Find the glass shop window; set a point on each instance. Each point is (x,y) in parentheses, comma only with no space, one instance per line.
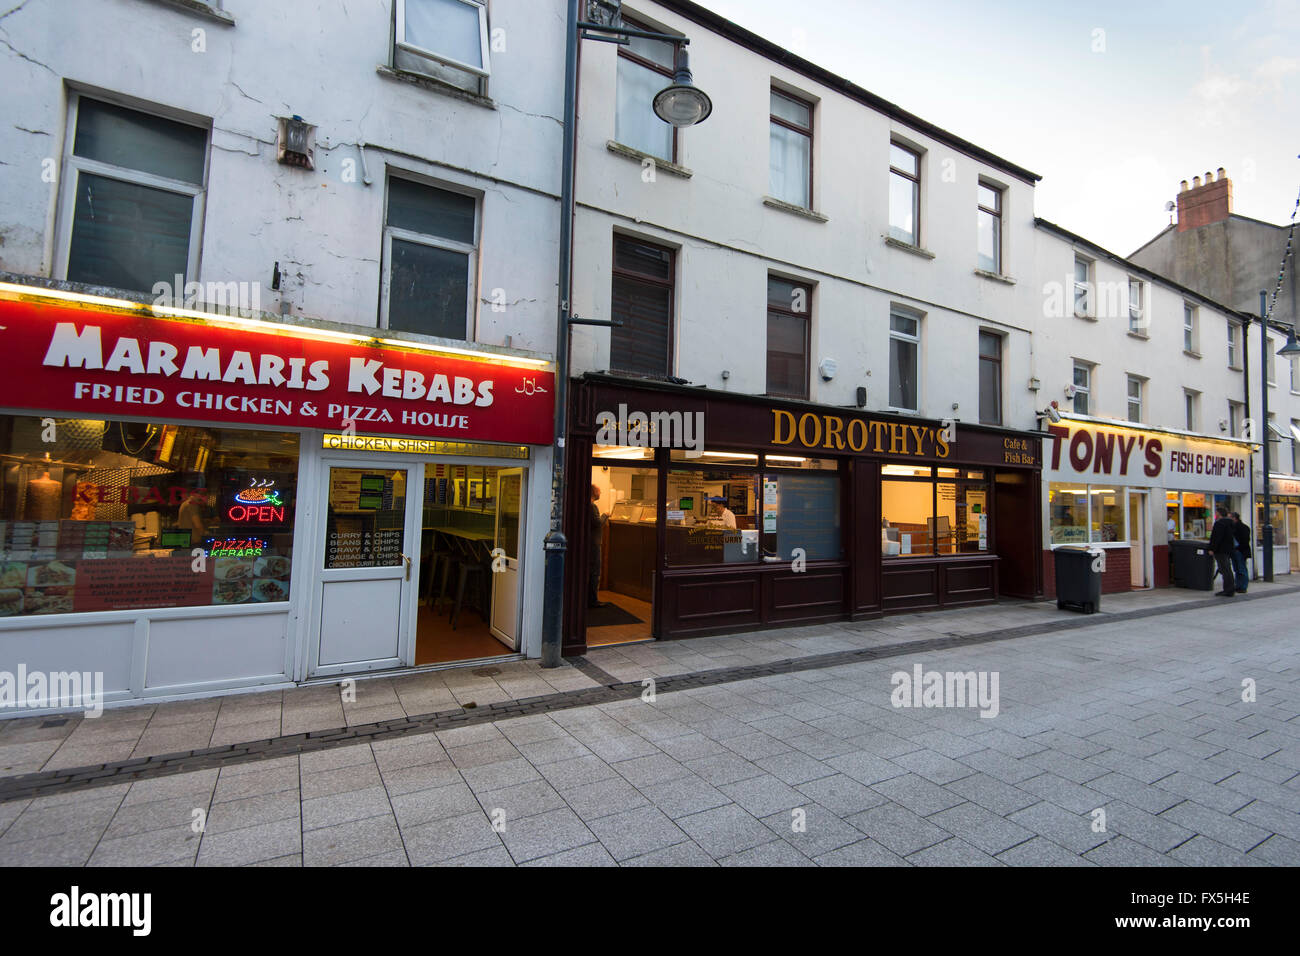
(712,517)
(114,515)
(1067,509)
(801,509)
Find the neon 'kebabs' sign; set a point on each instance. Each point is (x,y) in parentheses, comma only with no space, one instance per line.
(259,503)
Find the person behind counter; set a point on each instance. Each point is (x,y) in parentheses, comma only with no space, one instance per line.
(597,525)
(719,514)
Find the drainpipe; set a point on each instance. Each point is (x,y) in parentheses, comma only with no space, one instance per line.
(555,544)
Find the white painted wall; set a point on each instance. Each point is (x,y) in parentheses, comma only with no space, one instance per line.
(730,240)
(318,61)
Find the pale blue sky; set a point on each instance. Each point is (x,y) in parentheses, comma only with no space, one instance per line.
(1180,88)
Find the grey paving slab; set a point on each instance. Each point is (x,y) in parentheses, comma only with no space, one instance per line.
(600,798)
(679,855)
(841,795)
(545,834)
(1230,831)
(863,853)
(1042,852)
(1073,831)
(952,852)
(251,844)
(981,828)
(346,842)
(435,803)
(593,854)
(725,831)
(636,832)
(1121,851)
(898,828)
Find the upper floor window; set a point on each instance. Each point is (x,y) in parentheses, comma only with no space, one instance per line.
(791,124)
(644,68)
(904,360)
(990,228)
(1136,314)
(1235,412)
(788,311)
(1191,405)
(1271,363)
(132,206)
(1082,387)
(445,39)
(1082,287)
(1189,328)
(642,299)
(990,378)
(1295,373)
(904,194)
(1295,447)
(1135,387)
(430,248)
(1234,333)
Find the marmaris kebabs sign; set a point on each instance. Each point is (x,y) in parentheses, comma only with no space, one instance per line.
(108,364)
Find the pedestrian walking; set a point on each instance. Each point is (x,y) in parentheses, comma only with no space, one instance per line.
(1241,554)
(1223,542)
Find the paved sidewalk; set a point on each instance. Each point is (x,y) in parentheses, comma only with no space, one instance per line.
(42,743)
(1144,720)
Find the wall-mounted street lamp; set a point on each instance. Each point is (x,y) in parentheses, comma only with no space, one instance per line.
(681,104)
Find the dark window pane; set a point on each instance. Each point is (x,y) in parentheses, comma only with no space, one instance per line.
(641,344)
(990,345)
(644,259)
(787,362)
(783,295)
(807,516)
(151,144)
(902,374)
(429,289)
(128,236)
(430,211)
(990,392)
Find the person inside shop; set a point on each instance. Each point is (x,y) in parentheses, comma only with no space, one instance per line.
(720,516)
(1223,542)
(1241,555)
(597,526)
(192,517)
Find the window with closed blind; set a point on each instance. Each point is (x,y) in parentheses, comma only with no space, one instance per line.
(642,301)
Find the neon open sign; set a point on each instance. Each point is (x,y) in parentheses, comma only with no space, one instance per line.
(259,503)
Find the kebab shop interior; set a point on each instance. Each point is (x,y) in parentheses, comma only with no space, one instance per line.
(467,566)
(84,503)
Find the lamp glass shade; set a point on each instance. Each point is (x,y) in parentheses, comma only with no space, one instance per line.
(1292,347)
(682,104)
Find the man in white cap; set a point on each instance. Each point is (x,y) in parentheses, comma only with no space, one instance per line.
(720,514)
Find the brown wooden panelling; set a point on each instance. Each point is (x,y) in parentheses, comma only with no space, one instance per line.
(863,511)
(968,583)
(807,595)
(1015,535)
(908,585)
(711,601)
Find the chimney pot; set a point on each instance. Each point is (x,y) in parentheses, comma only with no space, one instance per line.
(1196,182)
(1182,186)
(1222,174)
(1209,177)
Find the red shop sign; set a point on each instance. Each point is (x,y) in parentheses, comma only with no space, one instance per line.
(109,365)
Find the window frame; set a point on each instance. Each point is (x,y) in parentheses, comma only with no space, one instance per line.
(997,363)
(1192,408)
(1191,326)
(1270,364)
(1136,312)
(625,51)
(934,479)
(437,242)
(1234,344)
(996,214)
(1139,400)
(616,272)
(915,339)
(1236,413)
(1089,368)
(74,166)
(915,180)
(806,316)
(1087,287)
(809,132)
(399,40)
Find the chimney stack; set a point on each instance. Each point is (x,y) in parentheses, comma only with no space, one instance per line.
(1207,202)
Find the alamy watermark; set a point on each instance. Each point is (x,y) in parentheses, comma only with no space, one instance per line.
(683,430)
(227,297)
(922,688)
(53,689)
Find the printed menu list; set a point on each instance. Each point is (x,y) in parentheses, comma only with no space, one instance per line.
(353,547)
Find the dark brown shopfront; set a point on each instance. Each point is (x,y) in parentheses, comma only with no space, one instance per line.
(707,512)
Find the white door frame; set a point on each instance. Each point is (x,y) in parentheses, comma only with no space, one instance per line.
(515,564)
(405,656)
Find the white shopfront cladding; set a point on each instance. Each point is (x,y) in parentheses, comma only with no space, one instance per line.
(1122,486)
(355,621)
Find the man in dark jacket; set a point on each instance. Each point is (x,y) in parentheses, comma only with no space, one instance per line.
(1241,532)
(1223,542)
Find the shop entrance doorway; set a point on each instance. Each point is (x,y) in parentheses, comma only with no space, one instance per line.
(1293,534)
(621,575)
(1138,535)
(421,563)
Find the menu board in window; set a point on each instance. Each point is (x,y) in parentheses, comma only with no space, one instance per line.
(367,517)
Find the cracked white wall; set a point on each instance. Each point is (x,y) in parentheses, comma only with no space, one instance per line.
(317,60)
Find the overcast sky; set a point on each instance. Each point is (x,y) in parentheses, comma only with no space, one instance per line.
(1173,90)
